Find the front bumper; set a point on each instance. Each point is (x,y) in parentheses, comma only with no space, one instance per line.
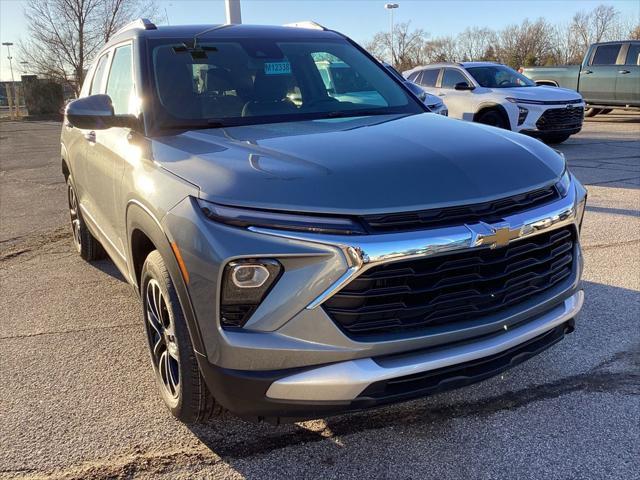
(535,112)
(299,394)
(256,370)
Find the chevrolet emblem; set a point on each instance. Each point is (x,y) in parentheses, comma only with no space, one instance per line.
(493,235)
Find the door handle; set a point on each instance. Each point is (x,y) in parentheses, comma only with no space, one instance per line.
(623,72)
(90,137)
(586,72)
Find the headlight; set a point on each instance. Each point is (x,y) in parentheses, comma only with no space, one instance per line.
(564,183)
(244,217)
(522,100)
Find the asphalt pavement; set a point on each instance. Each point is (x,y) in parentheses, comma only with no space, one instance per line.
(78,397)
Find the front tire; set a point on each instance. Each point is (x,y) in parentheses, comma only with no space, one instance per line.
(494,118)
(86,245)
(555,139)
(178,377)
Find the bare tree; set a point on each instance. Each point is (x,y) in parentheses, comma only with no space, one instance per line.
(526,44)
(64,35)
(441,49)
(475,42)
(407,46)
(595,26)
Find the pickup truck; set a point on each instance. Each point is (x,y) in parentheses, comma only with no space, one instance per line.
(608,78)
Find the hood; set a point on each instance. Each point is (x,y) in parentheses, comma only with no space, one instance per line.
(541,93)
(376,164)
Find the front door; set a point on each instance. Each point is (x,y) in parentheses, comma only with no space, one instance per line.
(459,102)
(105,162)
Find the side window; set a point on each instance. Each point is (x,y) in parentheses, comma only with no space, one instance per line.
(413,77)
(120,83)
(633,54)
(606,54)
(451,77)
(429,77)
(97,81)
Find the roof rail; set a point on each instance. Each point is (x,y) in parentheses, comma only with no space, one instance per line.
(141,23)
(310,24)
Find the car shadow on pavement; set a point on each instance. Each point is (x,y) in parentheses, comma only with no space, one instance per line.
(107,266)
(555,373)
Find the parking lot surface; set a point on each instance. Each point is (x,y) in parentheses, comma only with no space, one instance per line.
(78,397)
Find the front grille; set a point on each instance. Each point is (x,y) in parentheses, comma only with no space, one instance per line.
(561,119)
(489,212)
(414,294)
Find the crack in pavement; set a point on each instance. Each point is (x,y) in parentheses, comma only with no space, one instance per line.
(30,243)
(595,184)
(76,330)
(599,246)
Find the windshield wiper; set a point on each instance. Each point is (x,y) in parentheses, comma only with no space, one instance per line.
(353,113)
(198,126)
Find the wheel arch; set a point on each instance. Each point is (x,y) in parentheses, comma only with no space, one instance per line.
(491,106)
(66,171)
(145,234)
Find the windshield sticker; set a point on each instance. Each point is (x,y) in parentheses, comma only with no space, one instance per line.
(277,68)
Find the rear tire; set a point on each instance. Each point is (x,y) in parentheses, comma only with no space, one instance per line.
(592,112)
(86,245)
(493,118)
(178,377)
(555,139)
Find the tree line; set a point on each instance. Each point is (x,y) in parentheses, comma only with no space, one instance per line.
(529,43)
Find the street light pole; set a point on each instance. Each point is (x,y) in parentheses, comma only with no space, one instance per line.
(234,14)
(12,96)
(391,7)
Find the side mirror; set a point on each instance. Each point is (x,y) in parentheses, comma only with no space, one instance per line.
(95,112)
(464,86)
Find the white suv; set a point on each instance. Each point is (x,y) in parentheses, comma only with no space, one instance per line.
(497,95)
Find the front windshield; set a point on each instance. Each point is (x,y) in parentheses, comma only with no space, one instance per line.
(499,76)
(249,81)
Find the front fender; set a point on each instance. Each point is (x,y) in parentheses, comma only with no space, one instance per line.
(138,217)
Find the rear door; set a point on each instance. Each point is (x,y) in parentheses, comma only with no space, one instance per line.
(598,76)
(628,79)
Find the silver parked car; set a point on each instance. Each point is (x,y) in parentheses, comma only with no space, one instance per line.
(300,258)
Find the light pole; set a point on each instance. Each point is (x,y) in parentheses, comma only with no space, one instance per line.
(391,7)
(232,8)
(12,95)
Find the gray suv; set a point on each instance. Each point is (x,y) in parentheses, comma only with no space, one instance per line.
(298,259)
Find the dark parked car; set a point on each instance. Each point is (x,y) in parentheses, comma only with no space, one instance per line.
(297,259)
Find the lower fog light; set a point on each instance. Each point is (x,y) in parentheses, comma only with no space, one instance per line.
(245,284)
(249,276)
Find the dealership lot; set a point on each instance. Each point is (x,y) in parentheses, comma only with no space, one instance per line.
(79,400)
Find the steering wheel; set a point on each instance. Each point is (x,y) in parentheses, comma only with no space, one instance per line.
(504,82)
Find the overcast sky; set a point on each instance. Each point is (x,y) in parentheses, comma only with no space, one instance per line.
(359,19)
